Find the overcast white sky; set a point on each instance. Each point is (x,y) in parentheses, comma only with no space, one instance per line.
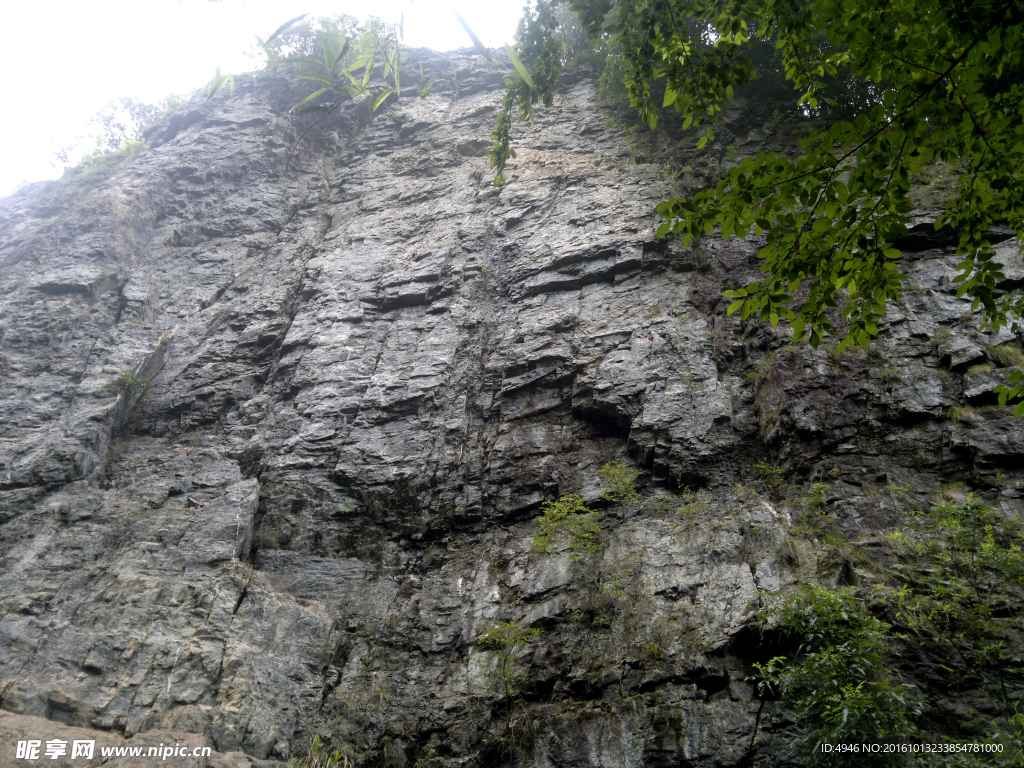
(66,60)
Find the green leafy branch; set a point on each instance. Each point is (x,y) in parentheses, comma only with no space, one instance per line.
(568,518)
(532,82)
(835,677)
(958,604)
(916,82)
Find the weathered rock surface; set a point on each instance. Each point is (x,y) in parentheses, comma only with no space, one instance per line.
(368,372)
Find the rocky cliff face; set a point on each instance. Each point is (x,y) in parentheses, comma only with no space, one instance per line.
(368,372)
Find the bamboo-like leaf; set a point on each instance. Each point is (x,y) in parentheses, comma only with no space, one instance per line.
(309,98)
(302,60)
(366,75)
(472,36)
(284,27)
(519,65)
(216,83)
(356,83)
(380,99)
(398,62)
(271,56)
(357,63)
(328,55)
(344,50)
(315,76)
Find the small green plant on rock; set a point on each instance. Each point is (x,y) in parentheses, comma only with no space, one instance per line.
(980,560)
(619,483)
(690,503)
(319,756)
(614,586)
(965,414)
(506,640)
(652,651)
(901,492)
(788,551)
(381,696)
(498,566)
(128,381)
(1006,355)
(816,498)
(772,476)
(568,518)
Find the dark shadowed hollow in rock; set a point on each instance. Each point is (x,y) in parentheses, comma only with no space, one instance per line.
(369,371)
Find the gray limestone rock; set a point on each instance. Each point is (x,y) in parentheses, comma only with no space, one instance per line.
(369,370)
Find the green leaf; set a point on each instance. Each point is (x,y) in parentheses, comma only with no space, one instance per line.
(344,51)
(472,36)
(380,99)
(734,306)
(358,63)
(519,65)
(304,60)
(328,55)
(310,98)
(398,84)
(314,76)
(216,83)
(284,27)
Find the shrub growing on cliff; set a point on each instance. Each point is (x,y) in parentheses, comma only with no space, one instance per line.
(619,483)
(119,138)
(959,605)
(506,640)
(128,381)
(960,608)
(569,519)
(837,676)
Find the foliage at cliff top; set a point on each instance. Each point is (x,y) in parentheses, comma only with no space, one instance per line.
(900,83)
(334,54)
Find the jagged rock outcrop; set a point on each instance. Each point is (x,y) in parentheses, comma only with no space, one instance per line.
(369,370)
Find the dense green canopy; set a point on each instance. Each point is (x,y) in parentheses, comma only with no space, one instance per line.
(895,85)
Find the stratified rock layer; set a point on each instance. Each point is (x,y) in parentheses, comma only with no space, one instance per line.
(369,370)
